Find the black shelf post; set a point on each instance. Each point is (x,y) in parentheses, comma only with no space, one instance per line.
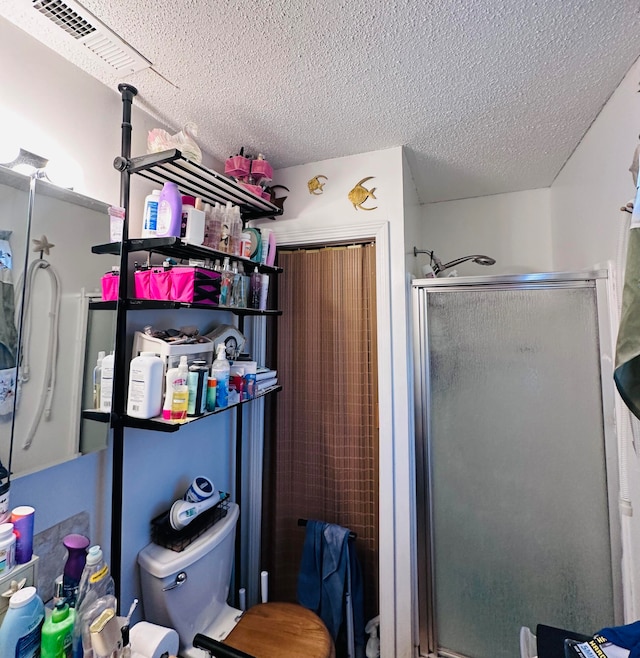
(120,362)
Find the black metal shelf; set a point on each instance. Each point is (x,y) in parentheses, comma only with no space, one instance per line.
(195,180)
(159,304)
(161,425)
(179,250)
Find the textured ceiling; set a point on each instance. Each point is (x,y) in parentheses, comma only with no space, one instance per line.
(489,96)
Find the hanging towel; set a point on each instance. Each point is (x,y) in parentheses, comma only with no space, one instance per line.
(627,364)
(328,560)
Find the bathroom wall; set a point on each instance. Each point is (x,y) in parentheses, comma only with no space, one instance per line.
(514,228)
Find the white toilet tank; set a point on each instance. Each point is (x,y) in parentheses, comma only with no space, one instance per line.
(188,591)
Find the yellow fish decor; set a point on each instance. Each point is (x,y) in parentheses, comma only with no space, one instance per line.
(315,186)
(359,194)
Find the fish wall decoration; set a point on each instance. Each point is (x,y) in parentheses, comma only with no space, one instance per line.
(315,186)
(359,194)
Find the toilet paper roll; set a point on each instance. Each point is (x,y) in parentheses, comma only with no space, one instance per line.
(152,641)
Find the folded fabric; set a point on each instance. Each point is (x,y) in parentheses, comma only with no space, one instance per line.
(627,637)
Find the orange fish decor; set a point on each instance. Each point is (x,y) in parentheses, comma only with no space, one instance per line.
(315,186)
(359,194)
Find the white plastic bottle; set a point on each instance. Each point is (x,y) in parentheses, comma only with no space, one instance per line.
(174,378)
(7,548)
(106,383)
(21,630)
(144,399)
(97,375)
(150,214)
(220,372)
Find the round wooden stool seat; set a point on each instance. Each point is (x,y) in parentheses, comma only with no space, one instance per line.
(281,630)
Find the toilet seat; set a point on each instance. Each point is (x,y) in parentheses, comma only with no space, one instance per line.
(281,630)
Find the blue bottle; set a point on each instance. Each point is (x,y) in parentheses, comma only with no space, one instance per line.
(21,630)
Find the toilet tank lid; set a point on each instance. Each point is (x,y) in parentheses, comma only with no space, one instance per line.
(162,562)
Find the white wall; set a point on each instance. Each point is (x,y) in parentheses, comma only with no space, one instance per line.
(514,228)
(595,182)
(587,226)
(330,217)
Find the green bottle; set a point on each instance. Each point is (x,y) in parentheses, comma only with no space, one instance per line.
(57,632)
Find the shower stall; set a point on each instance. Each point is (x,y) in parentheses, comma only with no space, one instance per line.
(516,460)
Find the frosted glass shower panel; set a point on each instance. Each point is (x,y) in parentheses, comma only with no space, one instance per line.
(519,507)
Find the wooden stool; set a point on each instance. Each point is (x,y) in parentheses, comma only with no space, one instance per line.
(281,630)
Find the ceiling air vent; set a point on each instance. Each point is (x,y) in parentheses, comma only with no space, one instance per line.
(83,26)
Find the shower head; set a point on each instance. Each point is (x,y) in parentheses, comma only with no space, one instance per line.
(439,267)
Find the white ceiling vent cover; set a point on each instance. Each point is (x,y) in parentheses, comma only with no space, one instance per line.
(83,26)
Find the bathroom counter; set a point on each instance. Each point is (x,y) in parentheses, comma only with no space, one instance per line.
(281,630)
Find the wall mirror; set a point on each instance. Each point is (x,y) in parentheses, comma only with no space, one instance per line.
(49,302)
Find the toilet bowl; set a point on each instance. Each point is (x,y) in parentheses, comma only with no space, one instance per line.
(188,591)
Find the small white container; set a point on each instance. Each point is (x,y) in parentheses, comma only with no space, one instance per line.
(194,230)
(7,548)
(145,386)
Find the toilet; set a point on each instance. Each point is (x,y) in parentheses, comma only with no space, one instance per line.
(188,591)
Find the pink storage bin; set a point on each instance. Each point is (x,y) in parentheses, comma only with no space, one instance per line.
(254,189)
(141,279)
(160,283)
(261,169)
(195,285)
(237,166)
(110,282)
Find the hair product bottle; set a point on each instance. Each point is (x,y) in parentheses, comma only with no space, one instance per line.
(144,399)
(180,392)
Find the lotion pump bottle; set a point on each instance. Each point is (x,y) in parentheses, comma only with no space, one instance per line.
(220,372)
(106,383)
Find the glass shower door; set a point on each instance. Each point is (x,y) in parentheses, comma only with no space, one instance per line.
(515,513)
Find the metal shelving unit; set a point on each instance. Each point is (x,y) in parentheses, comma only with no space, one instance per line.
(195,180)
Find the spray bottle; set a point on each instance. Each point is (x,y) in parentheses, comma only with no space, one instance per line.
(220,372)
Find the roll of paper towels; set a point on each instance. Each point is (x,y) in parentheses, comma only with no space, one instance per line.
(152,641)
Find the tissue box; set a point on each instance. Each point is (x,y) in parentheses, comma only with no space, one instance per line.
(195,285)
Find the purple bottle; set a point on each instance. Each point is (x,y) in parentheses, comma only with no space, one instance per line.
(76,546)
(169,218)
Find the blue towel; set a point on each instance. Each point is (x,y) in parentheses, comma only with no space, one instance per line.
(327,561)
(627,637)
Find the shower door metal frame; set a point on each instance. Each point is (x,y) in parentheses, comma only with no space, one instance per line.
(597,280)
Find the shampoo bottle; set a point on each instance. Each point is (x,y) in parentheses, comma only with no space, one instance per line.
(144,398)
(57,632)
(220,372)
(255,285)
(106,383)
(97,375)
(169,211)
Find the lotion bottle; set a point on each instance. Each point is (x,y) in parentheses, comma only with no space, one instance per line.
(144,399)
(220,372)
(169,211)
(97,375)
(106,383)
(150,214)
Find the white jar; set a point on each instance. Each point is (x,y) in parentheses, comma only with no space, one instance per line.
(7,548)
(144,398)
